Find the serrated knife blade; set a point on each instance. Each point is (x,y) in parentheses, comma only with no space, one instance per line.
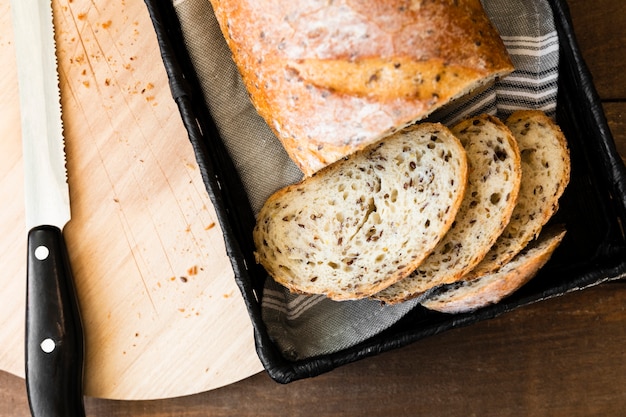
(54,336)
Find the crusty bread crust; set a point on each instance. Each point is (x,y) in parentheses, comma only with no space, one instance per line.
(467,296)
(545,175)
(366,221)
(331,78)
(490,197)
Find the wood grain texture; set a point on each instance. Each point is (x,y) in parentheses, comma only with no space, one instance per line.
(162,314)
(599,30)
(561,357)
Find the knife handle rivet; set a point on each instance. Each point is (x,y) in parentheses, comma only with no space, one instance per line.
(48,345)
(41,253)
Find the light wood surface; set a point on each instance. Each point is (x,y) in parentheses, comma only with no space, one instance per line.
(560,357)
(162,314)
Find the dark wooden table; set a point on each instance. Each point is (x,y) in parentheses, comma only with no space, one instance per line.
(561,357)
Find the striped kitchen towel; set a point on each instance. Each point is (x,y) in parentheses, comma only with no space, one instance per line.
(527,29)
(305,326)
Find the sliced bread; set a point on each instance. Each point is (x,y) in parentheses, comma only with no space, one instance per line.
(493,184)
(366,221)
(545,174)
(467,296)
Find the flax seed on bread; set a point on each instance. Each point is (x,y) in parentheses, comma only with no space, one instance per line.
(331,78)
(466,296)
(490,197)
(545,174)
(366,221)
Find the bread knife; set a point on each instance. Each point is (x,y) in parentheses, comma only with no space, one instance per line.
(54,336)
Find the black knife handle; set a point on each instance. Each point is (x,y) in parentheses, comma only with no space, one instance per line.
(54,335)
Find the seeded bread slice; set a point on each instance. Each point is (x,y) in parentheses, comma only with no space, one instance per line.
(490,197)
(467,296)
(545,174)
(367,221)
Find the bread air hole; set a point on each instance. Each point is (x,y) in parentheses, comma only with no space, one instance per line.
(394,195)
(528,155)
(499,154)
(495,198)
(446,248)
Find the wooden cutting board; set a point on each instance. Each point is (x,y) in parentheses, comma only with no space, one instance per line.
(162,314)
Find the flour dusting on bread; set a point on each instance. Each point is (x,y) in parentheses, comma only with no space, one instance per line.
(331,78)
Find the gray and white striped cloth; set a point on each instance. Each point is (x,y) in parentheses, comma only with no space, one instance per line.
(304,326)
(528,32)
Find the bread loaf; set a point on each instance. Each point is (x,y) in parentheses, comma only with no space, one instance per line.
(366,221)
(545,174)
(331,78)
(466,296)
(491,194)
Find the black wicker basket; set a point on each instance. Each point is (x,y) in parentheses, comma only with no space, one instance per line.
(593,207)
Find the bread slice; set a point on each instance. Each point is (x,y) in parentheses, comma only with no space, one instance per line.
(330,78)
(545,174)
(467,296)
(368,220)
(493,184)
